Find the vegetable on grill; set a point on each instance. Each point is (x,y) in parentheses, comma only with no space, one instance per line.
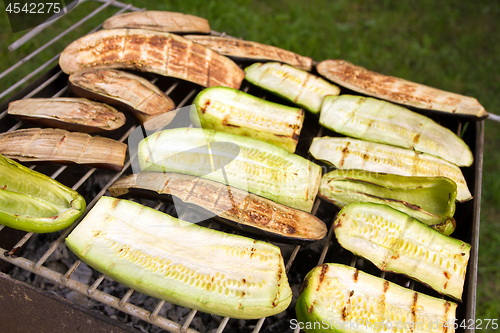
(233,111)
(151,51)
(237,208)
(159,21)
(74,114)
(295,85)
(380,121)
(134,93)
(396,242)
(346,153)
(338,298)
(248,50)
(245,163)
(181,262)
(398,90)
(60,146)
(33,202)
(431,200)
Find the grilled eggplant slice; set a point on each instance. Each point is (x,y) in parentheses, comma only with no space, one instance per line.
(345,153)
(396,242)
(379,121)
(56,145)
(247,50)
(159,21)
(32,202)
(74,114)
(245,163)
(236,207)
(295,85)
(338,298)
(181,262)
(431,200)
(398,90)
(150,51)
(233,111)
(134,93)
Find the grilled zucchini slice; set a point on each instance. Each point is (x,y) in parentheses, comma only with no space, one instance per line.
(295,85)
(396,242)
(338,298)
(181,262)
(33,202)
(346,153)
(245,163)
(431,200)
(234,111)
(380,121)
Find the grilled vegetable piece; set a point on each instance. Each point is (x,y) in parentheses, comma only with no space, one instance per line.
(159,21)
(245,163)
(142,98)
(181,262)
(379,121)
(398,90)
(31,201)
(74,114)
(236,207)
(56,145)
(338,298)
(345,153)
(396,242)
(150,51)
(431,200)
(233,111)
(249,50)
(300,87)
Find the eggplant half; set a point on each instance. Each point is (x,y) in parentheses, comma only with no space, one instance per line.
(234,111)
(234,207)
(181,262)
(178,23)
(73,114)
(346,153)
(151,51)
(295,85)
(134,93)
(341,299)
(248,50)
(255,166)
(33,202)
(60,146)
(431,200)
(398,90)
(398,243)
(380,121)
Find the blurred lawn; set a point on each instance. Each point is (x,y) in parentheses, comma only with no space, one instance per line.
(452,45)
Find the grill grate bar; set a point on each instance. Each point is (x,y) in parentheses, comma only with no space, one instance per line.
(157,309)
(19,244)
(71,270)
(96,284)
(189,319)
(222,325)
(327,244)
(58,172)
(125,298)
(55,39)
(259,325)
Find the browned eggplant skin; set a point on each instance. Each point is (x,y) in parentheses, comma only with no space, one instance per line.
(60,146)
(398,90)
(134,93)
(73,114)
(233,47)
(159,21)
(244,210)
(151,51)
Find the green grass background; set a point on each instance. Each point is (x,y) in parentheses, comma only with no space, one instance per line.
(453,45)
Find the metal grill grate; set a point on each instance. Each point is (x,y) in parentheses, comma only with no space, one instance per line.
(53,84)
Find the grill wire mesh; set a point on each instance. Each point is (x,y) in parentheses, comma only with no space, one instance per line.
(93,183)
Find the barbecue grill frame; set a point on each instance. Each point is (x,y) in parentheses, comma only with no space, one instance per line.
(47,82)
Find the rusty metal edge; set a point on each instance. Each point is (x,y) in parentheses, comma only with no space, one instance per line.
(51,311)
